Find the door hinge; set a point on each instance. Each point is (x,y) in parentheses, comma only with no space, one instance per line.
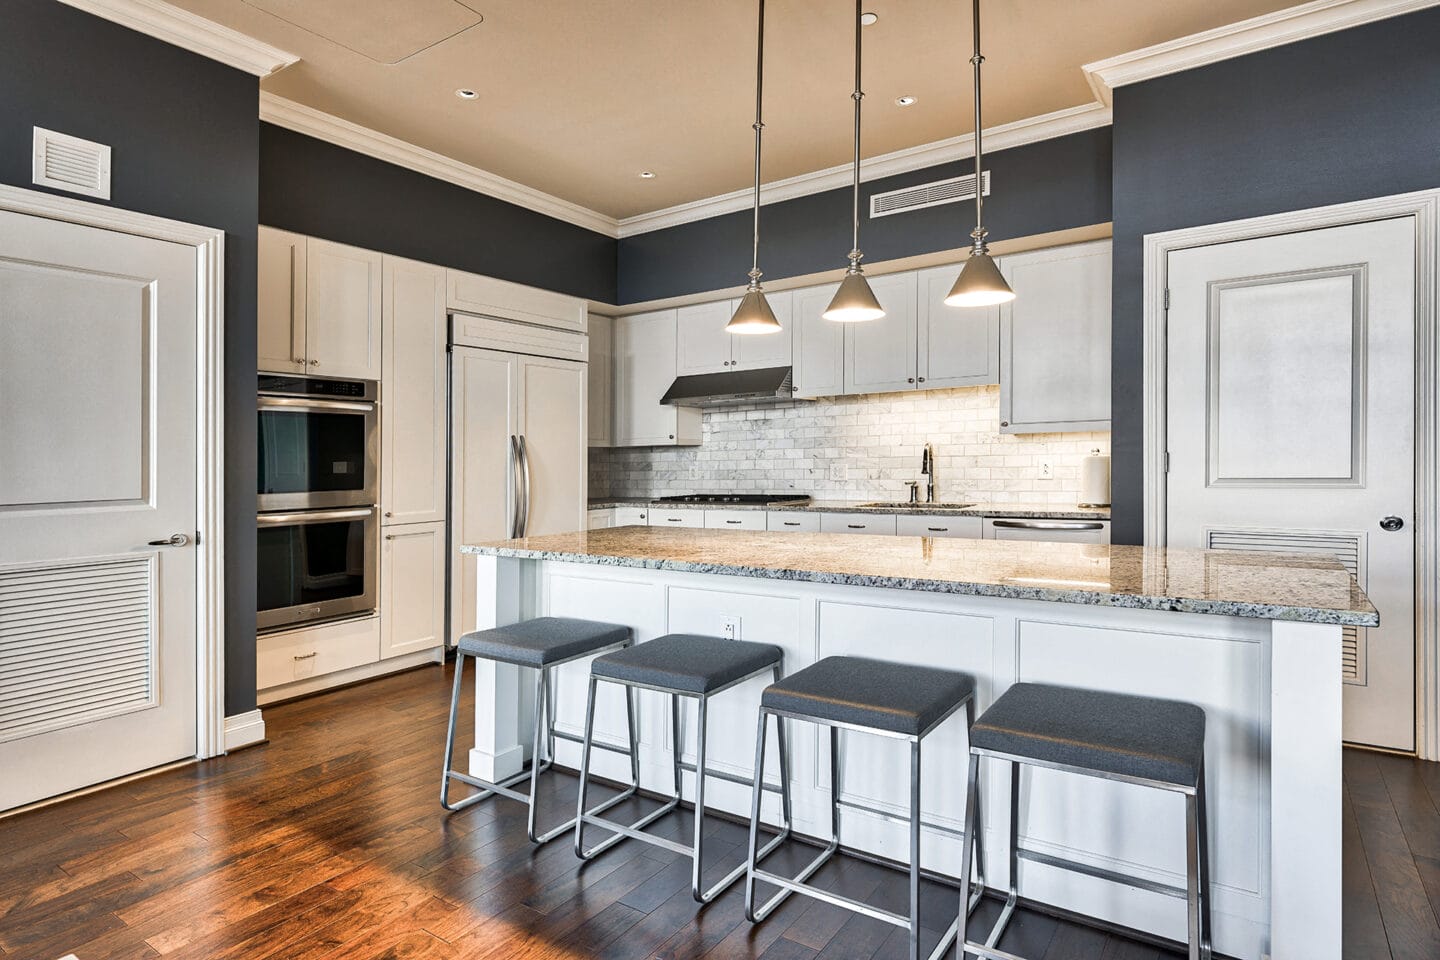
(1167,461)
(1167,298)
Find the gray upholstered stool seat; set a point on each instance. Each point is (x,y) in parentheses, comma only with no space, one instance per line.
(542,641)
(687,663)
(896,697)
(1141,737)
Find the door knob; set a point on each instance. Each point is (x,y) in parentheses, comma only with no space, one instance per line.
(174,540)
(1391,524)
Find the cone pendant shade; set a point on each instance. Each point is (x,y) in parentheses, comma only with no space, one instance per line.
(980,284)
(753,315)
(854,301)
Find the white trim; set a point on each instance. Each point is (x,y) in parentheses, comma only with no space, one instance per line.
(194,33)
(352,136)
(1424,206)
(1032,130)
(209,247)
(1237,39)
(243,729)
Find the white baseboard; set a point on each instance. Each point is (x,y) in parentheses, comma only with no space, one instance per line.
(244,729)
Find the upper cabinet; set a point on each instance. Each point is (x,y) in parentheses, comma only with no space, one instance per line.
(819,345)
(602,380)
(318,307)
(880,354)
(644,367)
(1055,341)
(703,346)
(412,399)
(955,346)
(489,297)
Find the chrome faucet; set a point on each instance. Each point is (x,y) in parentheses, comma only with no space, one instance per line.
(927,468)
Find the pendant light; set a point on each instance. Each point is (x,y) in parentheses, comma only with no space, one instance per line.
(754,314)
(980,283)
(855,301)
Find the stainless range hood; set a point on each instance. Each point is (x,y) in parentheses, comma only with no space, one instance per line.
(771,385)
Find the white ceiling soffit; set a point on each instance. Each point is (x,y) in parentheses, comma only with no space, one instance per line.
(1237,39)
(193,33)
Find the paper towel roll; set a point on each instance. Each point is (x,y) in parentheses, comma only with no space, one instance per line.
(1095,481)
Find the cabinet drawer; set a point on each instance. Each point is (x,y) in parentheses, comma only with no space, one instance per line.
(677,518)
(315,651)
(1068,531)
(932,525)
(858,523)
(632,516)
(735,519)
(793,521)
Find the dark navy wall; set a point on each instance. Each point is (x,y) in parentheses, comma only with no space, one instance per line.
(316,188)
(1337,118)
(185,139)
(1051,185)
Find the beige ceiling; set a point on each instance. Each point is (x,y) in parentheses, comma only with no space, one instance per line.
(578,96)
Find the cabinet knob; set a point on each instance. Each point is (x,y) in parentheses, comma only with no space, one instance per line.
(910,380)
(314,363)
(1004,423)
(300,361)
(672,436)
(922,379)
(389,514)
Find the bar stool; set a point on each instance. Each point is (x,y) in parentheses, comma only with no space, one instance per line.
(1112,736)
(895,700)
(695,667)
(542,644)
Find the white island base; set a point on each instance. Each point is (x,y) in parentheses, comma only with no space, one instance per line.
(1271,691)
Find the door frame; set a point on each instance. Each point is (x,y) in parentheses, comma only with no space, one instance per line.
(209,247)
(1424,207)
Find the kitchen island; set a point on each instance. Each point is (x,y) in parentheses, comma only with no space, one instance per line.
(1253,638)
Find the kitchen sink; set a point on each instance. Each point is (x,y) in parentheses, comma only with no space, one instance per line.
(907,505)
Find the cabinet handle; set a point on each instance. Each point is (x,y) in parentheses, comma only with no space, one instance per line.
(732,521)
(674,519)
(938,529)
(791,523)
(857,526)
(306,656)
(389,536)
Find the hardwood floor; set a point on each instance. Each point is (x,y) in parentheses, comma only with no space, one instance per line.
(329,843)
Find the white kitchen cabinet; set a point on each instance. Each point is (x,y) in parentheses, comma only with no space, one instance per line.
(602,380)
(762,350)
(703,346)
(412,393)
(819,344)
(735,519)
(665,517)
(645,345)
(412,588)
(1066,531)
(600,519)
(792,521)
(937,525)
(489,297)
(880,355)
(1055,341)
(293,655)
(871,523)
(632,516)
(956,346)
(342,310)
(280,304)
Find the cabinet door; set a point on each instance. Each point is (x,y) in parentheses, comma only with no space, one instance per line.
(599,519)
(412,393)
(342,310)
(792,521)
(958,346)
(880,354)
(632,516)
(870,523)
(702,345)
(554,475)
(1055,341)
(280,305)
(412,588)
(662,517)
(819,345)
(644,369)
(602,380)
(735,519)
(937,525)
(759,351)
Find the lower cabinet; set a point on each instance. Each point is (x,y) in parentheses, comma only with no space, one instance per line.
(412,588)
(794,521)
(632,516)
(660,517)
(294,655)
(735,519)
(874,523)
(599,519)
(937,525)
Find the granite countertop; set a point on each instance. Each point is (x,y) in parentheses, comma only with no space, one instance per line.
(1227,583)
(1031,511)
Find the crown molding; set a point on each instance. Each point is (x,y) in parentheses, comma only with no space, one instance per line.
(194,33)
(1237,39)
(352,136)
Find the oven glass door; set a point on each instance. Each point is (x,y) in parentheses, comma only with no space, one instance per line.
(315,453)
(315,565)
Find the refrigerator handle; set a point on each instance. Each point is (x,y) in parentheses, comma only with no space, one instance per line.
(514,487)
(525,487)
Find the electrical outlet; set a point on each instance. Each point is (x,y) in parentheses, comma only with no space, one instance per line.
(730,628)
(839,472)
(1047,470)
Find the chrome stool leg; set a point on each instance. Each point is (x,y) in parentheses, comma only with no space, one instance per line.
(448,773)
(915,849)
(1203,833)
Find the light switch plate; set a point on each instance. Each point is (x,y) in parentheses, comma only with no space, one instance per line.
(1047,470)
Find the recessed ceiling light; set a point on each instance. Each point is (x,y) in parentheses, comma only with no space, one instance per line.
(904,101)
(465,93)
(647,174)
(866,19)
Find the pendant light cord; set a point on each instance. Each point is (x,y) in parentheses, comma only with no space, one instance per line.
(759,129)
(976,60)
(857,96)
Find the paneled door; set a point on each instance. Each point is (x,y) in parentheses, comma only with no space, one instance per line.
(97,505)
(1291,426)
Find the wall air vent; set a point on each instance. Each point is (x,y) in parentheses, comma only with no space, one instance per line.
(925,195)
(69,163)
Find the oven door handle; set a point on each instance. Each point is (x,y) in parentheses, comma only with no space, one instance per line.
(305,403)
(312,516)
(524,486)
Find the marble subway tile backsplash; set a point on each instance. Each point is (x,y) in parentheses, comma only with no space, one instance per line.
(875,440)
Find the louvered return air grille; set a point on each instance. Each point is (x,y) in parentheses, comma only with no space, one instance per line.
(1348,548)
(926,195)
(76,644)
(69,163)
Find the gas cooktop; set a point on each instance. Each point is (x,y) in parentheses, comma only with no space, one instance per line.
(751,499)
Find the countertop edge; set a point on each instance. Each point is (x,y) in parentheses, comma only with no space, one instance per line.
(1017,512)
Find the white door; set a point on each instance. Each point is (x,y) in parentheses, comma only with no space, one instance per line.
(1290,398)
(554,474)
(957,346)
(702,345)
(761,351)
(342,310)
(644,366)
(97,458)
(412,398)
(880,354)
(819,345)
(280,305)
(412,584)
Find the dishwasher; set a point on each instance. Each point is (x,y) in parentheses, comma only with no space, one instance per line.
(1068,531)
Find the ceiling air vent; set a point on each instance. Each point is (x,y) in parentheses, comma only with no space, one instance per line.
(69,163)
(926,195)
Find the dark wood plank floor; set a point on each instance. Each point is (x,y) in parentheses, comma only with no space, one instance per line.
(329,843)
